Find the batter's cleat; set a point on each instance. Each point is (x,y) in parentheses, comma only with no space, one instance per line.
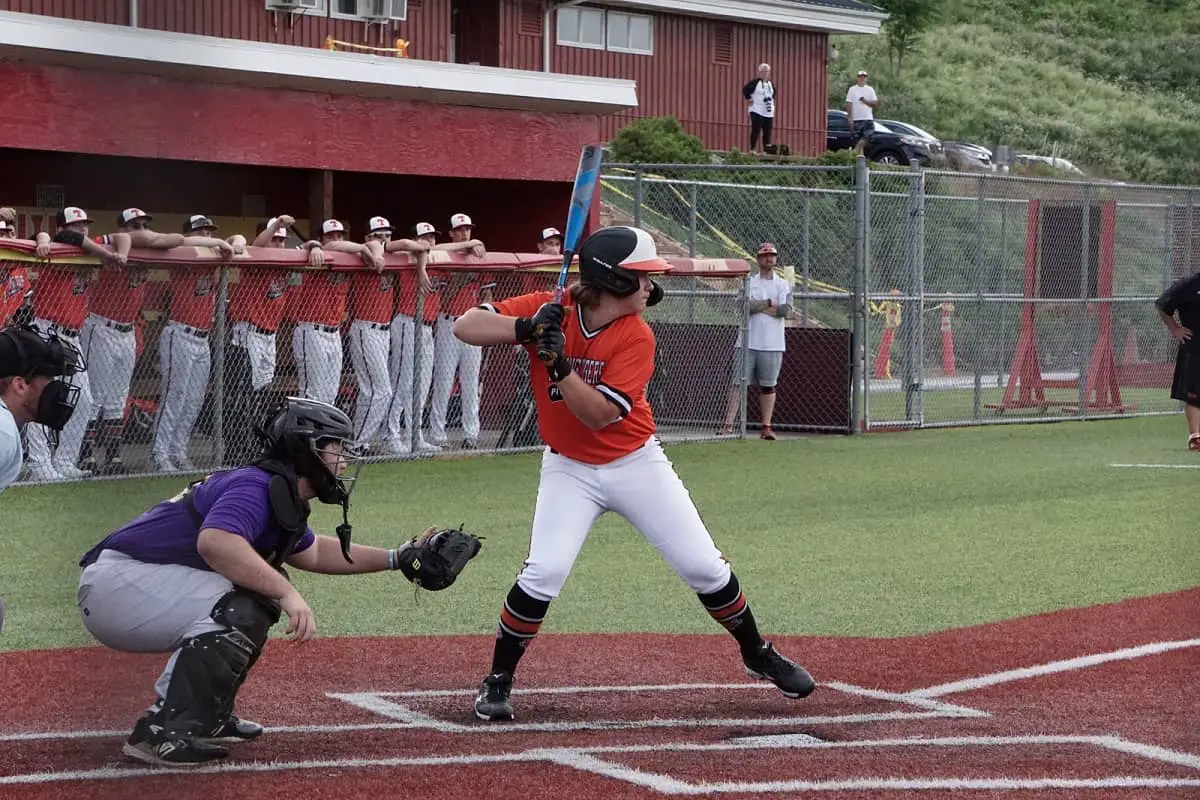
(492,703)
(234,731)
(151,744)
(1194,441)
(791,679)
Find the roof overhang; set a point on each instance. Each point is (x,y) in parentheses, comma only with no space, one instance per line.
(115,48)
(814,17)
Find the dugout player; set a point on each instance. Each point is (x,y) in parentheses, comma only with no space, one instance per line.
(184,355)
(60,302)
(550,242)
(200,576)
(1179,309)
(402,366)
(603,454)
(31,365)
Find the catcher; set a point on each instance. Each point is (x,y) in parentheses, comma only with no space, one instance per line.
(202,576)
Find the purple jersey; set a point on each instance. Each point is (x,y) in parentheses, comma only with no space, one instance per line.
(234,501)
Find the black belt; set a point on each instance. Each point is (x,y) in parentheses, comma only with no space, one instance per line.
(64,330)
(197,332)
(260,329)
(120,326)
(323,328)
(379,326)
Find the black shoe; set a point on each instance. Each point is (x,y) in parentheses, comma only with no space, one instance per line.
(151,744)
(492,702)
(235,730)
(768,665)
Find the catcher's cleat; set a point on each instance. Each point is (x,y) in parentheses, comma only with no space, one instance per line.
(235,730)
(149,743)
(492,703)
(768,665)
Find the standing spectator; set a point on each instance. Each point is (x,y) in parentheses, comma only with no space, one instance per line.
(451,355)
(860,100)
(760,95)
(768,296)
(184,357)
(1183,299)
(60,306)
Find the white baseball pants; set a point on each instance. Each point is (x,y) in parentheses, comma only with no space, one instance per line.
(184,360)
(450,356)
(261,349)
(110,355)
(70,439)
(370,346)
(643,488)
(136,607)
(400,367)
(318,354)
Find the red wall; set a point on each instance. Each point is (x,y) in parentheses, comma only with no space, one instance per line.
(683,78)
(77,111)
(427,28)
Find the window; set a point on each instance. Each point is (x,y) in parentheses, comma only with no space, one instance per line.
(630,33)
(370,9)
(581,27)
(837,122)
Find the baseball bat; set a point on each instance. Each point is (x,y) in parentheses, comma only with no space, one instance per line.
(577,214)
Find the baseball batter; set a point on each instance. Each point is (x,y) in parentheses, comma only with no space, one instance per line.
(602,454)
(184,357)
(200,576)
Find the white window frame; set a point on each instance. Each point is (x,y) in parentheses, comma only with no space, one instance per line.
(630,17)
(318,9)
(359,15)
(571,42)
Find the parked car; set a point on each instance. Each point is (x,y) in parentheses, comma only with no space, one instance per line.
(1052,161)
(932,143)
(967,156)
(884,145)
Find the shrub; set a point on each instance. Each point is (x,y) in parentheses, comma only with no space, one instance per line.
(657,140)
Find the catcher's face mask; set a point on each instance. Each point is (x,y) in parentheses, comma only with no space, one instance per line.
(342,466)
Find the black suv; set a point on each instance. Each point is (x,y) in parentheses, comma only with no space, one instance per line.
(883,145)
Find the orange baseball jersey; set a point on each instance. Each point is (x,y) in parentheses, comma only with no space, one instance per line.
(118,293)
(407,298)
(60,295)
(16,283)
(320,299)
(259,297)
(617,359)
(373,295)
(193,290)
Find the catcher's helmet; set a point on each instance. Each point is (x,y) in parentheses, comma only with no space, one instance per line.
(610,259)
(298,434)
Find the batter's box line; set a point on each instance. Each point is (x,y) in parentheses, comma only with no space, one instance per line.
(381,703)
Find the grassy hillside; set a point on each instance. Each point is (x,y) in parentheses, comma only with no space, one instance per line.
(1109,84)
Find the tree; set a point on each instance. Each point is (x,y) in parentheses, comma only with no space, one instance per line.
(907,21)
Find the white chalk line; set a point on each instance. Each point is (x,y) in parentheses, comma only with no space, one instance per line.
(1156,466)
(586,759)
(1065,665)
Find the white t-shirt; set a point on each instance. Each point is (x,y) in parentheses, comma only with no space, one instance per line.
(766,331)
(859,109)
(10,448)
(762,99)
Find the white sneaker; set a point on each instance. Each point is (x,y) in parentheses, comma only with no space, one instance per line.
(163,464)
(440,441)
(70,472)
(428,447)
(43,473)
(184,463)
(397,447)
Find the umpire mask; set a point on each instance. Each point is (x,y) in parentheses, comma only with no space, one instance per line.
(56,405)
(29,354)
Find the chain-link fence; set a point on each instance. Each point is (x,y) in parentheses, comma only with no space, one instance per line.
(186,353)
(954,299)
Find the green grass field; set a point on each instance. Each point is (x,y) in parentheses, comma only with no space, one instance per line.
(958,405)
(878,535)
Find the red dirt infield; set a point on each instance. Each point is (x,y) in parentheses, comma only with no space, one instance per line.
(1096,702)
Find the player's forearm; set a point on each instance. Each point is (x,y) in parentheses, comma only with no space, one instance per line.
(483,328)
(121,242)
(156,241)
(203,241)
(330,561)
(588,405)
(1168,319)
(233,557)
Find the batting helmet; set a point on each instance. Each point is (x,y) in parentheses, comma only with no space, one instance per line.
(298,434)
(611,258)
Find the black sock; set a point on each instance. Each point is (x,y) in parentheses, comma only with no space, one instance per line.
(729,607)
(520,619)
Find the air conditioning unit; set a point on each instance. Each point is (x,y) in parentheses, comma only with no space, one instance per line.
(384,10)
(294,5)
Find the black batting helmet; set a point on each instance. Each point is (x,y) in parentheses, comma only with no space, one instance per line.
(299,432)
(611,258)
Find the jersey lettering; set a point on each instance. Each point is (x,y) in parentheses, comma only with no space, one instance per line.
(276,288)
(80,286)
(137,277)
(14,286)
(204,286)
(387,281)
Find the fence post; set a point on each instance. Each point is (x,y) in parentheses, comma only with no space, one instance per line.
(805,244)
(692,214)
(1168,268)
(1085,352)
(859,415)
(744,351)
(637,196)
(415,416)
(915,391)
(1190,232)
(218,366)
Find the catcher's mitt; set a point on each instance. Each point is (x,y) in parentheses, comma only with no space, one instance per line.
(434,559)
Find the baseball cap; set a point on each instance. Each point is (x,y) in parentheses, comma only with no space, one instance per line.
(332,226)
(549,233)
(862,72)
(198,222)
(766,248)
(130,214)
(423,229)
(281,233)
(460,220)
(377,224)
(72,214)
(4,226)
